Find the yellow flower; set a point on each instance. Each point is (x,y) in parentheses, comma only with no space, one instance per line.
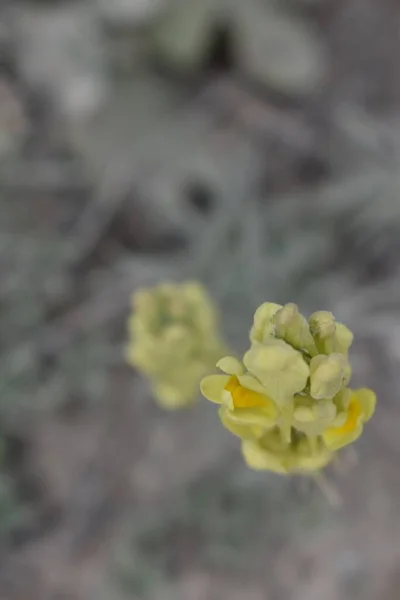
(280,368)
(288,401)
(174,340)
(350,421)
(241,394)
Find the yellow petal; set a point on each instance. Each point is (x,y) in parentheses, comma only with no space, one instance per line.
(230,365)
(227,399)
(260,398)
(213,386)
(242,397)
(313,417)
(337,437)
(304,414)
(281,369)
(260,459)
(367,400)
(243,430)
(251,383)
(335,441)
(254,396)
(286,422)
(340,419)
(252,416)
(324,410)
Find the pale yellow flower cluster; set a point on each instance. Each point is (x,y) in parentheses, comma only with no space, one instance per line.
(288,399)
(174,340)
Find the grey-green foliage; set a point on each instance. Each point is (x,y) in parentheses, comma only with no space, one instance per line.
(253,247)
(27,267)
(220,522)
(39,371)
(14,516)
(317,245)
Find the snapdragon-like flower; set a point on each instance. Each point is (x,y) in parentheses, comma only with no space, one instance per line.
(288,400)
(174,340)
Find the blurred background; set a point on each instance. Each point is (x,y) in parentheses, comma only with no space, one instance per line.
(253,145)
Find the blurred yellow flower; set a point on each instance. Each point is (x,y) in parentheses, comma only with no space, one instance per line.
(174,340)
(288,400)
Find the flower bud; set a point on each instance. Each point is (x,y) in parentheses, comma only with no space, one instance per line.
(322,327)
(292,327)
(327,375)
(263,325)
(343,338)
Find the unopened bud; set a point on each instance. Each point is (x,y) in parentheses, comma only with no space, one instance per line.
(292,327)
(322,327)
(327,375)
(263,324)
